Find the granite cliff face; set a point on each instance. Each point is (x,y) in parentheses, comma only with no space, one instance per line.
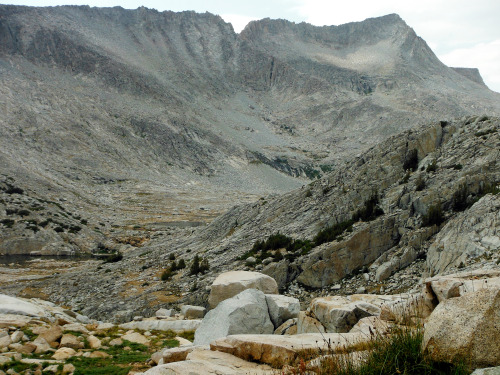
(127,129)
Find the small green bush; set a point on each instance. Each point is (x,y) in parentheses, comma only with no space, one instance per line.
(199,265)
(13,190)
(411,160)
(420,183)
(332,232)
(459,198)
(432,167)
(434,216)
(9,223)
(23,212)
(370,211)
(116,257)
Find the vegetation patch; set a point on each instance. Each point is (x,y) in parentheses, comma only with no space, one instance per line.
(434,216)
(398,353)
(411,160)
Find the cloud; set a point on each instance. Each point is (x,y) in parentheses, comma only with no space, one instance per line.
(237,20)
(484,56)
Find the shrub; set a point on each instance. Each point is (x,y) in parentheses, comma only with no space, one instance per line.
(459,199)
(13,190)
(7,222)
(181,265)
(23,212)
(420,183)
(398,353)
(172,256)
(434,216)
(411,160)
(199,265)
(370,211)
(116,257)
(432,166)
(331,233)
(167,274)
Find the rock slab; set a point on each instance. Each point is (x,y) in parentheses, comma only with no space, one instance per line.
(466,327)
(246,312)
(229,284)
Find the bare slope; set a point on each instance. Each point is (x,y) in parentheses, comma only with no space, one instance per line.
(135,118)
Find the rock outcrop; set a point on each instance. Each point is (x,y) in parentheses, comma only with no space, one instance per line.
(466,327)
(247,312)
(468,237)
(229,284)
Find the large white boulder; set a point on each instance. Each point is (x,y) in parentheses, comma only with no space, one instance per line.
(466,327)
(229,284)
(281,308)
(246,312)
(17,306)
(339,314)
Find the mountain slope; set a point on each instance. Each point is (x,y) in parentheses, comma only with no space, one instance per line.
(135,118)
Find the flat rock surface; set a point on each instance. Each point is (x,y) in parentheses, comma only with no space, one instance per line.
(208,362)
(272,349)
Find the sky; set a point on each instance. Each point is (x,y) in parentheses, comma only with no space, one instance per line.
(462,33)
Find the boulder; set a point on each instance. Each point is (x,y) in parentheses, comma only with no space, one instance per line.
(136,337)
(327,264)
(163,313)
(64,353)
(5,340)
(76,327)
(273,349)
(282,308)
(193,312)
(70,341)
(17,336)
(17,306)
(466,327)
(466,237)
(339,314)
(229,284)
(308,324)
(51,334)
(208,362)
(487,371)
(42,346)
(94,342)
(287,328)
(246,312)
(177,326)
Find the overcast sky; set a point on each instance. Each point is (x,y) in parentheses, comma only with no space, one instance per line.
(462,33)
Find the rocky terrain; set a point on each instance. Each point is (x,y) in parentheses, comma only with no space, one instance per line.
(159,150)
(132,119)
(251,329)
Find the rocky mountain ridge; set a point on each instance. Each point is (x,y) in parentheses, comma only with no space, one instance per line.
(106,104)
(148,125)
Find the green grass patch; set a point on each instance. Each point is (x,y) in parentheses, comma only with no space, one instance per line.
(188,335)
